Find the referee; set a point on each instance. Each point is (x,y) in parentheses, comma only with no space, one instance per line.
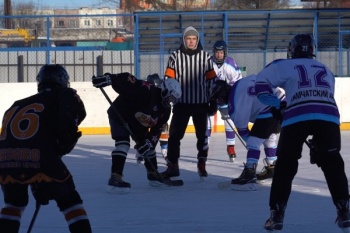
(193,68)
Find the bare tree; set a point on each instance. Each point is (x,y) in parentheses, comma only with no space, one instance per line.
(159,5)
(250,4)
(23,8)
(324,4)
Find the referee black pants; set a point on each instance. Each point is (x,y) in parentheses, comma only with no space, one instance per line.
(180,118)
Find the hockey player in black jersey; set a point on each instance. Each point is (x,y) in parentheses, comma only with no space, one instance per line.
(36,132)
(140,111)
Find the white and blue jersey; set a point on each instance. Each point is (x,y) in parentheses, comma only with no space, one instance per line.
(228,71)
(243,105)
(307,98)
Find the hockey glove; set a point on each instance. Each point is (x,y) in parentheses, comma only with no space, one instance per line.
(40,193)
(101,81)
(143,147)
(224,113)
(66,144)
(314,156)
(212,108)
(278,113)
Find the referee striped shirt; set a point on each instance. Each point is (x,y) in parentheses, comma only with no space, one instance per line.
(195,73)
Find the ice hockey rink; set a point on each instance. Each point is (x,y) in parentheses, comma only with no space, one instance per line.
(196,207)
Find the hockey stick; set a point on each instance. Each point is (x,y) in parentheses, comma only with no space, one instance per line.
(37,208)
(237,134)
(155,171)
(116,111)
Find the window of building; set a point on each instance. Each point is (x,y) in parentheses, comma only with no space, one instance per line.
(87,22)
(98,22)
(110,22)
(60,23)
(73,23)
(120,22)
(39,24)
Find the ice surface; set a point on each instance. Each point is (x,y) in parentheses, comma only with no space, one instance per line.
(197,207)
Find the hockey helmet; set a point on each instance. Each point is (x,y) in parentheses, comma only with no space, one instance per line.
(52,76)
(171,92)
(154,79)
(221,92)
(301,46)
(219,45)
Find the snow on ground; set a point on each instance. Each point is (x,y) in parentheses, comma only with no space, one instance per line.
(197,207)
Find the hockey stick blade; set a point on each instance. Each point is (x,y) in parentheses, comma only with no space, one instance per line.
(228,185)
(174,183)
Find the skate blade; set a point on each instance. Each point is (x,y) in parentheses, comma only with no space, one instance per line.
(117,190)
(155,183)
(232,160)
(264,182)
(244,187)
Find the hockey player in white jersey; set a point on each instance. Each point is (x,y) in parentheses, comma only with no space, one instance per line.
(311,110)
(226,69)
(244,107)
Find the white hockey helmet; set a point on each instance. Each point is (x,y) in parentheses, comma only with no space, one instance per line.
(171,92)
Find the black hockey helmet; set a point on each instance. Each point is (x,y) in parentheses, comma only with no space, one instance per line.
(220,92)
(154,79)
(220,45)
(301,46)
(52,76)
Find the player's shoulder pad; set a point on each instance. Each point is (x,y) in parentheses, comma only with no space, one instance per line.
(275,62)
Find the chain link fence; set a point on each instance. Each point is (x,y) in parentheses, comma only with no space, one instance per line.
(255,38)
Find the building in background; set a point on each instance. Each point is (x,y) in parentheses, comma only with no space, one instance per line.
(132,5)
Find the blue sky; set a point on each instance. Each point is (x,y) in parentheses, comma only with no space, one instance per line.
(75,3)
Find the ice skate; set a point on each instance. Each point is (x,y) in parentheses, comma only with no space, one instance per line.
(171,171)
(201,169)
(275,222)
(246,181)
(343,218)
(267,172)
(116,184)
(231,153)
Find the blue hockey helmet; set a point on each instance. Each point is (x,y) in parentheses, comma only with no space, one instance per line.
(219,45)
